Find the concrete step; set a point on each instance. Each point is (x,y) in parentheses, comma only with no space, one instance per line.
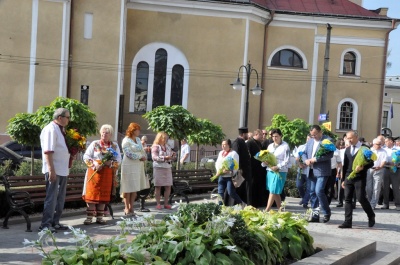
(386,254)
(338,250)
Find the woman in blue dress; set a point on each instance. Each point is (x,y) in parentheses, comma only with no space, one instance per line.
(276,175)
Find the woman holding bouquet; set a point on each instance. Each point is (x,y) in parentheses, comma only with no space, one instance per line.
(276,174)
(102,158)
(225,175)
(133,177)
(163,156)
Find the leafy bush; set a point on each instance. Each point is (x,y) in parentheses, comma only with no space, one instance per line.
(196,234)
(24,168)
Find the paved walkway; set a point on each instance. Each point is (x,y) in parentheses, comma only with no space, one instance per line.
(12,251)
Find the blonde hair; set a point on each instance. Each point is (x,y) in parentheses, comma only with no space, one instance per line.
(107,127)
(159,136)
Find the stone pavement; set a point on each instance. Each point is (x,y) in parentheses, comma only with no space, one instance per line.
(386,232)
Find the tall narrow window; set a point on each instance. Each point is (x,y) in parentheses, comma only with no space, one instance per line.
(346,116)
(385,118)
(177,85)
(160,74)
(88,26)
(349,64)
(141,90)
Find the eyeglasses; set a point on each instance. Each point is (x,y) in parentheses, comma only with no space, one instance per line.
(68,117)
(377,144)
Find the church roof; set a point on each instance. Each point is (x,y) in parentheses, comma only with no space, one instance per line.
(339,8)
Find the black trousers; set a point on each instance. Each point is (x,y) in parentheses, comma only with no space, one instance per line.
(357,186)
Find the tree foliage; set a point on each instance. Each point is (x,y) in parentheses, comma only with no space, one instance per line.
(22,129)
(295,131)
(176,121)
(210,134)
(82,118)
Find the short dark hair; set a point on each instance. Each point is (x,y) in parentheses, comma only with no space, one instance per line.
(228,142)
(278,131)
(390,138)
(316,127)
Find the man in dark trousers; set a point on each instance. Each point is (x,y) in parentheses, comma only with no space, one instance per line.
(356,184)
(258,172)
(239,145)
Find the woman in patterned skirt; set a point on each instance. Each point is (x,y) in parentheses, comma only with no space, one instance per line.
(133,177)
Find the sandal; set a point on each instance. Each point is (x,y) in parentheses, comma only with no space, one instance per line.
(167,207)
(88,221)
(101,221)
(158,207)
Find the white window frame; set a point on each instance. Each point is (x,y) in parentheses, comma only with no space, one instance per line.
(147,54)
(288,47)
(357,70)
(88,26)
(355,114)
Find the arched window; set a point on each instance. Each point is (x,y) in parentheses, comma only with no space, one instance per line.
(287,58)
(142,80)
(177,85)
(160,76)
(347,115)
(349,64)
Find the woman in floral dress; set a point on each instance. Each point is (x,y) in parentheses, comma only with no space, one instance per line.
(133,177)
(100,176)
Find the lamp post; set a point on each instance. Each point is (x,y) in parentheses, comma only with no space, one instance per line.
(238,85)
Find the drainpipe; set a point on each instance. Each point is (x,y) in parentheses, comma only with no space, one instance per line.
(70,49)
(383,76)
(264,66)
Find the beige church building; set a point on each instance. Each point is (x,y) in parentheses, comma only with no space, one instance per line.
(126,57)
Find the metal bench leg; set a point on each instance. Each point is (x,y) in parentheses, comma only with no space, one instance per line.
(23,213)
(182,194)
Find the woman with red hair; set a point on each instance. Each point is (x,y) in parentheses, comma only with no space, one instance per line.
(132,167)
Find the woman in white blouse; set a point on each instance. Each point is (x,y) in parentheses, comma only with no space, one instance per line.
(276,175)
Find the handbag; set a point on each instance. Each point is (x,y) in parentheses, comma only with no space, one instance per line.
(238,179)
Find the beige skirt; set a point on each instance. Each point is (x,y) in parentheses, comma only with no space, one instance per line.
(162,176)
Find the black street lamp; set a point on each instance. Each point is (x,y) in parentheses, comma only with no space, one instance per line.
(238,85)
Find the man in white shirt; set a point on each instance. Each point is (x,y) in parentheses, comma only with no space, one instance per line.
(375,174)
(185,152)
(55,167)
(391,177)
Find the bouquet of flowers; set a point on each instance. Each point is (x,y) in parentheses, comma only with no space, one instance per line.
(395,160)
(75,142)
(267,157)
(108,154)
(300,154)
(363,157)
(229,164)
(325,147)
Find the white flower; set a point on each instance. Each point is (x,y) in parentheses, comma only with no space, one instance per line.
(231,248)
(218,242)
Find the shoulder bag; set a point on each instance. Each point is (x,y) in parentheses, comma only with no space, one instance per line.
(238,179)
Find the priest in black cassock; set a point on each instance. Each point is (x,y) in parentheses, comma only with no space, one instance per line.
(259,193)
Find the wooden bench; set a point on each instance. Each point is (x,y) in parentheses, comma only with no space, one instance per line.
(26,191)
(187,180)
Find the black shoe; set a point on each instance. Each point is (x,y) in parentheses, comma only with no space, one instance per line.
(344,225)
(385,207)
(314,220)
(371,221)
(144,210)
(53,230)
(305,206)
(339,205)
(60,227)
(327,217)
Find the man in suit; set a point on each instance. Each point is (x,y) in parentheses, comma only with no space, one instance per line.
(318,174)
(357,184)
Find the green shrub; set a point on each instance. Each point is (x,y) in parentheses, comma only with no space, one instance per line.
(6,168)
(24,168)
(78,167)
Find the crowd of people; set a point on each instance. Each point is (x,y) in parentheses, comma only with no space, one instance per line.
(322,176)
